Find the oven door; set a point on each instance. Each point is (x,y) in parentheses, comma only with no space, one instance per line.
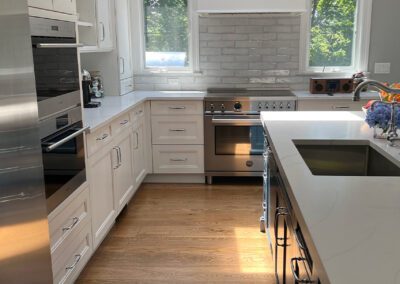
(234,144)
(55,56)
(64,164)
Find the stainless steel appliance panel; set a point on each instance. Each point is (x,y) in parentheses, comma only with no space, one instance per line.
(24,233)
(55,55)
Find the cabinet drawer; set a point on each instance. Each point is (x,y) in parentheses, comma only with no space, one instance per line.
(178,130)
(67,268)
(330,105)
(137,113)
(42,4)
(176,107)
(98,139)
(121,123)
(67,222)
(126,86)
(173,159)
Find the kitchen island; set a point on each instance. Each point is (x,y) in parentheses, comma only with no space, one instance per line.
(350,223)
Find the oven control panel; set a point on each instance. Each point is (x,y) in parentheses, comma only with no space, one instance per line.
(250,106)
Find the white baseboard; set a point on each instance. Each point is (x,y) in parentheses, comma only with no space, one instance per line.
(174,178)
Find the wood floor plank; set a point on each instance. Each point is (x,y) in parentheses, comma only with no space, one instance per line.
(185,233)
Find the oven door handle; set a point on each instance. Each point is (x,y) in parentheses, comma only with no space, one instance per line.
(238,121)
(59,45)
(66,139)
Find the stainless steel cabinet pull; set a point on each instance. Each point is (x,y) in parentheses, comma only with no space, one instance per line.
(178,130)
(293,264)
(118,164)
(140,112)
(103,31)
(102,137)
(178,160)
(280,211)
(66,139)
(341,107)
(237,121)
(120,156)
(75,221)
(179,107)
(299,243)
(122,64)
(124,122)
(137,140)
(77,259)
(59,45)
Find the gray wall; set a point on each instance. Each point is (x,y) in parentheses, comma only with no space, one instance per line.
(385,38)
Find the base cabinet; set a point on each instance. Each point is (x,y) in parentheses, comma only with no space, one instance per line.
(139,152)
(123,171)
(101,170)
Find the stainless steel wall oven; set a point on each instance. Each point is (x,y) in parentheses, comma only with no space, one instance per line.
(55,56)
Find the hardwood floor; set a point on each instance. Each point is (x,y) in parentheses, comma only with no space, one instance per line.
(185,234)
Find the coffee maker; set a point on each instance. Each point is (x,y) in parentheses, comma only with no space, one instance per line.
(87,91)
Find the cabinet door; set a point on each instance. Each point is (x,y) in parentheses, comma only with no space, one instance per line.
(65,6)
(100,173)
(43,4)
(123,172)
(122,9)
(104,21)
(139,153)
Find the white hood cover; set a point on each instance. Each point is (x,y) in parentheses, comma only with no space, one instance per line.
(250,6)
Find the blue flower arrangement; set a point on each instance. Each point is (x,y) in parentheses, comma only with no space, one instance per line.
(380,114)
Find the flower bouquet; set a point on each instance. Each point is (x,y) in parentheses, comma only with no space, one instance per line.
(379,116)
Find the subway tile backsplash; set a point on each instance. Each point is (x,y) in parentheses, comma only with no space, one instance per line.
(241,51)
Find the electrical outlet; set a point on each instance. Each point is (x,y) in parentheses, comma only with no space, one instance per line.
(382,68)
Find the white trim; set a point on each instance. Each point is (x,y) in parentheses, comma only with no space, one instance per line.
(361,46)
(139,43)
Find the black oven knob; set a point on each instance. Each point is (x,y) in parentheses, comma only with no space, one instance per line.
(281,106)
(222,107)
(212,107)
(289,106)
(237,106)
(260,106)
(274,106)
(267,106)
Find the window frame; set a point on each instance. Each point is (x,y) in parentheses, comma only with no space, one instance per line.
(360,49)
(139,43)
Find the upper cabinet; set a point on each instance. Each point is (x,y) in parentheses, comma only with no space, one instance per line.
(96,27)
(250,6)
(62,6)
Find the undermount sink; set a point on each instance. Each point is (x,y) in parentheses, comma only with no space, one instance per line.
(328,158)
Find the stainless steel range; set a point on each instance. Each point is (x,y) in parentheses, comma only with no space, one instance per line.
(234,136)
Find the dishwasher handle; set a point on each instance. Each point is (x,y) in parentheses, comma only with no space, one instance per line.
(237,121)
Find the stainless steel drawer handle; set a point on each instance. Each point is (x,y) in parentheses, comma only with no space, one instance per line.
(280,211)
(59,45)
(178,160)
(75,221)
(139,112)
(341,107)
(299,243)
(66,139)
(102,137)
(124,122)
(178,130)
(77,259)
(293,265)
(179,107)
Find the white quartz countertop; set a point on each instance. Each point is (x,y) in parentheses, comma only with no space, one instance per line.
(113,106)
(352,222)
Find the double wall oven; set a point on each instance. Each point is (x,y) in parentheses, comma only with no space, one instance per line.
(234,139)
(55,57)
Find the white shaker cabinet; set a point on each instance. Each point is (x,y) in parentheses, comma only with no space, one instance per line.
(62,6)
(123,170)
(139,152)
(104,24)
(123,22)
(65,6)
(101,171)
(42,4)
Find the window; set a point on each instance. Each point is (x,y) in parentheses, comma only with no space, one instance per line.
(165,36)
(336,36)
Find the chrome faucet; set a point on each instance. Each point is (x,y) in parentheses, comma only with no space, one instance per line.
(392,135)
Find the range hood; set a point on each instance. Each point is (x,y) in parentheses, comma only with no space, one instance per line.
(250,6)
